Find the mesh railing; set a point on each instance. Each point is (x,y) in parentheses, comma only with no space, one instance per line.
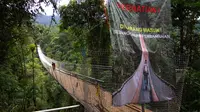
(93,97)
(98,72)
(101,71)
(174,105)
(91,70)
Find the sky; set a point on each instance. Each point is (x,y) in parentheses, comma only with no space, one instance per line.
(49,9)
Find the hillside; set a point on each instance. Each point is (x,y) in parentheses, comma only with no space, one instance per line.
(45,20)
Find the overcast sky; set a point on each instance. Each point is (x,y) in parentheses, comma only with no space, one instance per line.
(49,9)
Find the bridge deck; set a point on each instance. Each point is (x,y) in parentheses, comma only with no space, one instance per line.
(92,97)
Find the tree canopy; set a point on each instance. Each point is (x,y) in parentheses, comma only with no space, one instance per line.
(82,37)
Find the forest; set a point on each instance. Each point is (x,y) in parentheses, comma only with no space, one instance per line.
(81,38)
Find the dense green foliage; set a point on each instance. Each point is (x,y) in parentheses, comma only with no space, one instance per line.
(191,92)
(26,86)
(185,15)
(85,23)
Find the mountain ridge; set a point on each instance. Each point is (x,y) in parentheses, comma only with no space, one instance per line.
(46,20)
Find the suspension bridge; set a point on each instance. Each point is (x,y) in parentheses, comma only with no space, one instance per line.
(88,93)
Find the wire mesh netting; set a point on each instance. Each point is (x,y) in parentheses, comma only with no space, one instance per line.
(181,61)
(96,67)
(83,88)
(142,67)
(103,73)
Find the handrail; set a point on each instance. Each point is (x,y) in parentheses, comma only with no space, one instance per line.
(61,108)
(93,97)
